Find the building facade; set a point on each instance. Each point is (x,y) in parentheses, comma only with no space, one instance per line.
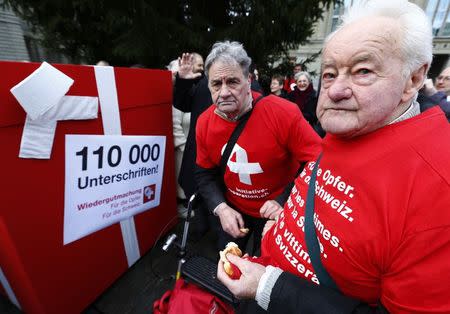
(19,43)
(437,11)
(12,40)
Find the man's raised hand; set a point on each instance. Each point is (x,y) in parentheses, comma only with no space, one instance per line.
(186,66)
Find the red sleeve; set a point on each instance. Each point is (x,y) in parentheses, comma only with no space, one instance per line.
(294,132)
(302,140)
(421,271)
(417,279)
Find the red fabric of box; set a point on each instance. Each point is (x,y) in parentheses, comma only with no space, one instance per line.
(46,276)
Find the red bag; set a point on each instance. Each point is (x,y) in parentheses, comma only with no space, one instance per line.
(187,298)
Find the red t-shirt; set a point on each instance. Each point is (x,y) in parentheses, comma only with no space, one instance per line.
(267,153)
(382,216)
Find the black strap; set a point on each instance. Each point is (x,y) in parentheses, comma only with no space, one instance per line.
(312,243)
(235,135)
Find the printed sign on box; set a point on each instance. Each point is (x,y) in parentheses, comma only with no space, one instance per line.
(108,179)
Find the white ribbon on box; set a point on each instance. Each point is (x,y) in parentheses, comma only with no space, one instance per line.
(38,134)
(42,95)
(107,92)
(41,90)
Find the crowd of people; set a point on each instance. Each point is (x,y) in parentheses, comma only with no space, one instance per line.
(355,222)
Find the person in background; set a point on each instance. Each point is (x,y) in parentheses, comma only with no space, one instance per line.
(102,63)
(191,94)
(439,93)
(290,82)
(380,219)
(266,156)
(181,121)
(276,86)
(254,84)
(305,96)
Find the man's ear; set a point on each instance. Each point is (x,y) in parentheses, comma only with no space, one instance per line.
(414,82)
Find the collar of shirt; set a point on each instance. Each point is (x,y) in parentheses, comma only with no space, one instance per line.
(412,111)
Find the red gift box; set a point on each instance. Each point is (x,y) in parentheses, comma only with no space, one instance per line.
(44,275)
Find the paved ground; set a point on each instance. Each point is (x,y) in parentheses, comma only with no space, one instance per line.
(142,284)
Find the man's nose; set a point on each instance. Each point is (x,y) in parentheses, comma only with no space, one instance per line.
(224,91)
(340,89)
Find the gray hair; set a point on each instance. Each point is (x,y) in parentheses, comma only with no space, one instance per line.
(302,73)
(416,40)
(230,53)
(197,55)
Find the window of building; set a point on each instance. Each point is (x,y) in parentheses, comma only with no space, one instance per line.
(338,11)
(438,12)
(336,15)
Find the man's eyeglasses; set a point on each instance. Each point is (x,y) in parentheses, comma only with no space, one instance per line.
(443,78)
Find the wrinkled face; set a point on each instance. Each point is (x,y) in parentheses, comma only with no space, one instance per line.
(230,89)
(302,82)
(275,86)
(443,81)
(362,82)
(198,65)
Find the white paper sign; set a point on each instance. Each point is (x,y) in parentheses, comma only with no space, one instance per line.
(108,179)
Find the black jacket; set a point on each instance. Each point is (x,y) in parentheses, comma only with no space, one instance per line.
(292,294)
(310,105)
(190,95)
